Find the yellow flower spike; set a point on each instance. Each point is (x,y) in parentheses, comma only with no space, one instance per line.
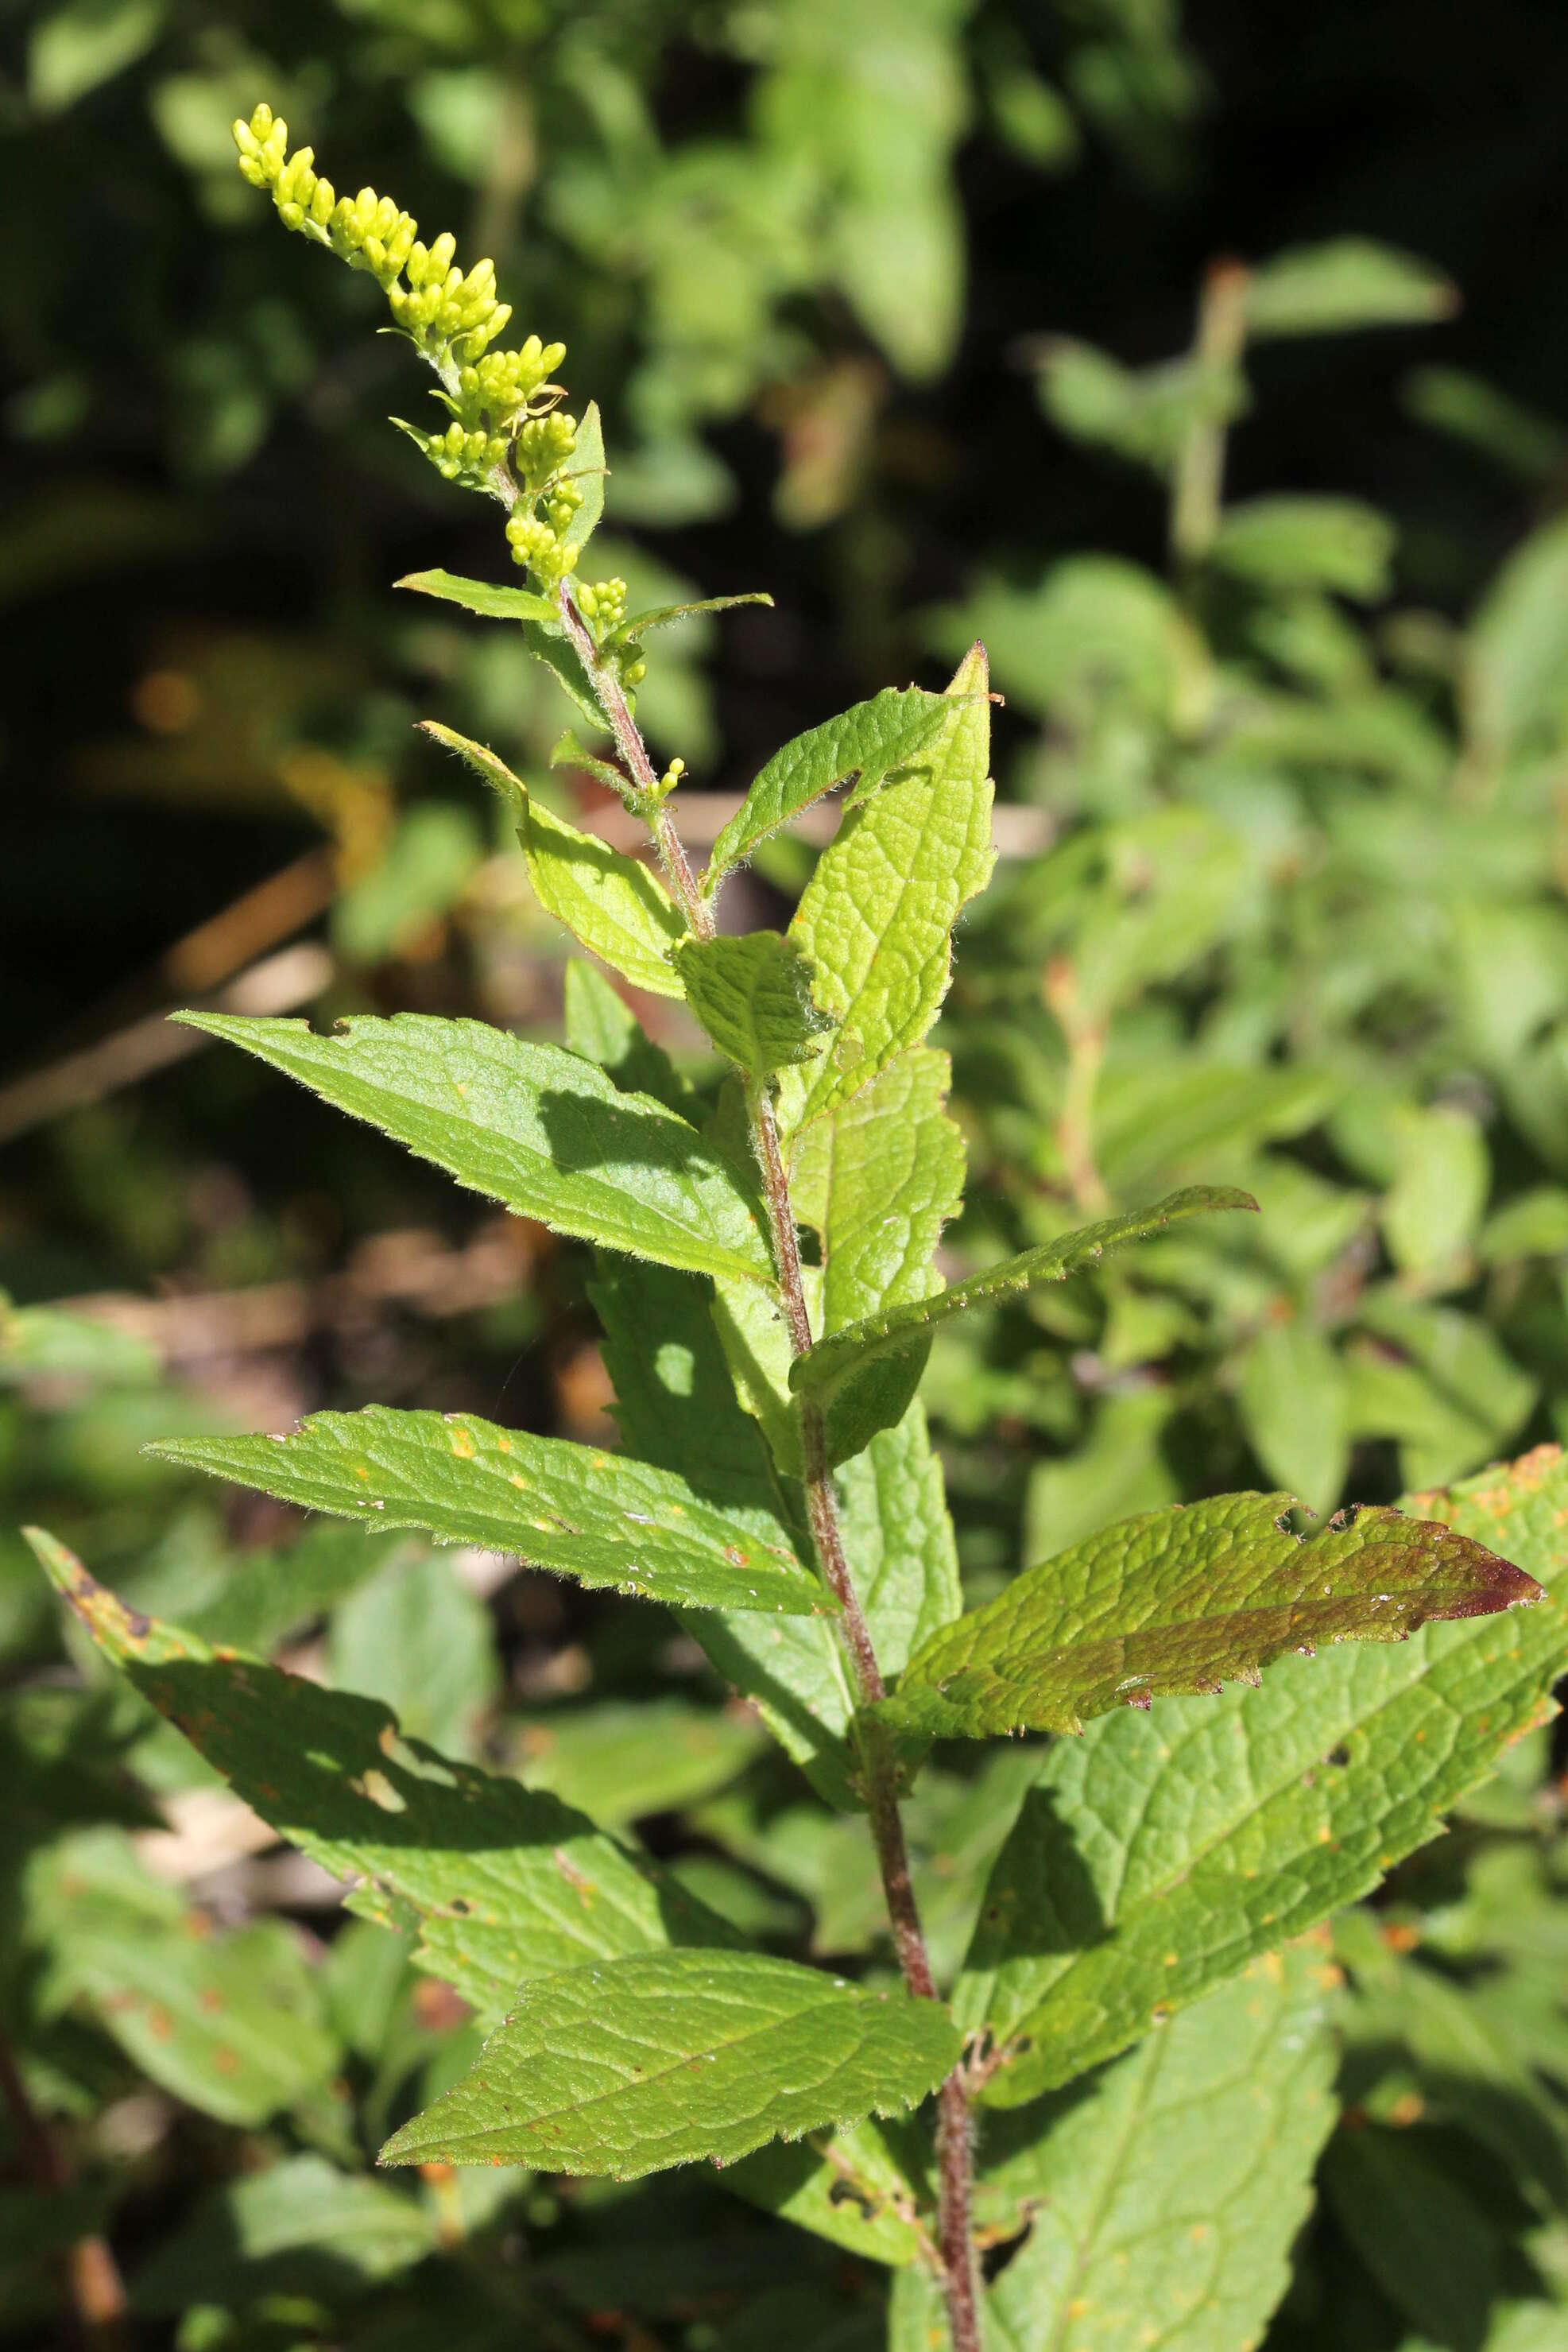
(453,317)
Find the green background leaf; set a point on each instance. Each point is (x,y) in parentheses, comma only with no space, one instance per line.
(498,1884)
(1169,2189)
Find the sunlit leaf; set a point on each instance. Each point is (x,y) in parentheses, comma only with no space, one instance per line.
(640,2064)
(533,1126)
(600,1517)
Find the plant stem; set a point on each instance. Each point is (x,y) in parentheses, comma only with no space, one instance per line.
(1200,468)
(1085,1041)
(93,2285)
(879,1768)
(610,695)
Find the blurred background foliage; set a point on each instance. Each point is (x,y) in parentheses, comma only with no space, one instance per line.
(1212,364)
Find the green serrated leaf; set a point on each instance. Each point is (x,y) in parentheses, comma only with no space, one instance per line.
(620,911)
(483,596)
(824,1370)
(498,1882)
(660,616)
(1186,1599)
(846,2185)
(876,919)
(602,1028)
(759,1350)
(585,466)
(600,1517)
(1344,283)
(677,2058)
(1162,1849)
(753,996)
(533,1126)
(1175,2183)
(878,1180)
(750,1320)
(867,743)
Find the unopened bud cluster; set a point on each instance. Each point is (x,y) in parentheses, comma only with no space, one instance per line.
(506,437)
(605,603)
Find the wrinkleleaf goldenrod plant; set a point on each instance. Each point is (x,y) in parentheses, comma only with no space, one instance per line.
(767,1284)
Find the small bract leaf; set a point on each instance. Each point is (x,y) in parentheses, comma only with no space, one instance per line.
(660,616)
(846,2185)
(496,602)
(569,752)
(545,641)
(1188,1599)
(663,1354)
(753,996)
(878,1178)
(602,1027)
(585,466)
(824,1370)
(866,743)
(485,764)
(674,2058)
(533,1126)
(600,1517)
(620,911)
(1344,283)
